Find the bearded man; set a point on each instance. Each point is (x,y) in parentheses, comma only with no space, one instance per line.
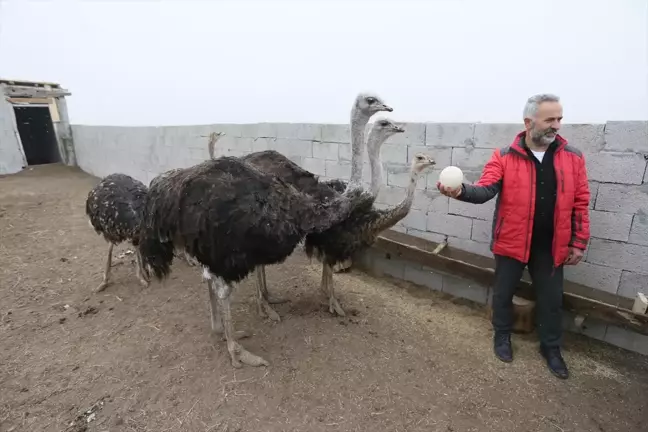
(541,220)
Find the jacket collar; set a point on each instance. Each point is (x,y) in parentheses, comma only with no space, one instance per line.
(520,147)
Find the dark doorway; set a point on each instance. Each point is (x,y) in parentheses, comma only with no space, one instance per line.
(37,134)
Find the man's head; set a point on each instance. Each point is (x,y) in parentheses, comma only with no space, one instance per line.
(542,116)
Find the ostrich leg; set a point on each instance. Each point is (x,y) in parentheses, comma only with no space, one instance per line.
(238,354)
(139,269)
(263,305)
(328,288)
(106,277)
(263,286)
(216,319)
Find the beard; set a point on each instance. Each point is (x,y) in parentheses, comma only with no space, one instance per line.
(544,137)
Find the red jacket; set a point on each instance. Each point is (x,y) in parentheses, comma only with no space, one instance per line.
(511,173)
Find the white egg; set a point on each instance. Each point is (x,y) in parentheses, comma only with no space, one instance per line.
(451,177)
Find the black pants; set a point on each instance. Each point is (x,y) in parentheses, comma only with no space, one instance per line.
(548,285)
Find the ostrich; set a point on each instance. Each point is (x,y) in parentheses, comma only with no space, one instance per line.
(231,217)
(359,231)
(114,208)
(364,106)
(382,129)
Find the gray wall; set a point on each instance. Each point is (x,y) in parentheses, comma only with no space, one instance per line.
(616,260)
(11,158)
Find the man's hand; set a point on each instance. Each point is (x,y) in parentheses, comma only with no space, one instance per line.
(449,192)
(575,255)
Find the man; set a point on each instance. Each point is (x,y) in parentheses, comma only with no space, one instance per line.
(541,220)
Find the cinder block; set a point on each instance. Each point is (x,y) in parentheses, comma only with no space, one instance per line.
(632,283)
(593,187)
(299,131)
(470,158)
(400,176)
(456,226)
(626,136)
(627,339)
(471,246)
(326,150)
(588,138)
(414,135)
(464,288)
(338,170)
(611,226)
(442,156)
(639,231)
(261,144)
(449,134)
(622,198)
(478,211)
(336,133)
(415,219)
(618,255)
(390,195)
(616,167)
(430,201)
(424,276)
(394,154)
(496,135)
(595,276)
(430,236)
(481,231)
(591,328)
(293,147)
(316,166)
(392,267)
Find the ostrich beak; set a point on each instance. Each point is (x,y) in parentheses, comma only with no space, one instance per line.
(399,129)
(387,108)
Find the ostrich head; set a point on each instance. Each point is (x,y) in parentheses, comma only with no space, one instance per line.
(368,104)
(421,162)
(382,129)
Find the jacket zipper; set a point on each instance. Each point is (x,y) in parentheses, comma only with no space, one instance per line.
(527,252)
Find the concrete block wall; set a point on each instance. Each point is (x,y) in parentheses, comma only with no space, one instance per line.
(616,260)
(378,264)
(11,157)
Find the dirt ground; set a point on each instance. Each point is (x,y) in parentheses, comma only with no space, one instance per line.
(135,359)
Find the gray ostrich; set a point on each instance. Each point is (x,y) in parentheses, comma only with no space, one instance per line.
(232,217)
(359,231)
(114,208)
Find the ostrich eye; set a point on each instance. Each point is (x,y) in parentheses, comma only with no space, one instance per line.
(419,157)
(384,123)
(371,100)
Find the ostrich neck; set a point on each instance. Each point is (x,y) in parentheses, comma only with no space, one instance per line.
(375,162)
(358,123)
(395,214)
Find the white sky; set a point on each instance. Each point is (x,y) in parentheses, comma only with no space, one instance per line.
(196,62)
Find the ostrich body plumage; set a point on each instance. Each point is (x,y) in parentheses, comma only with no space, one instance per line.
(114,207)
(231,217)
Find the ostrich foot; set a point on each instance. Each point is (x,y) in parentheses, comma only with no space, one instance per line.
(102,286)
(139,270)
(241,356)
(265,310)
(239,334)
(276,300)
(335,308)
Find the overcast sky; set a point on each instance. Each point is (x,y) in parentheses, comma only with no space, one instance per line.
(197,62)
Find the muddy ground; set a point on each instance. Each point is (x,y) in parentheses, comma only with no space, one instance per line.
(136,359)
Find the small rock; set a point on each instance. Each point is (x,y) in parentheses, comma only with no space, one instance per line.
(62,320)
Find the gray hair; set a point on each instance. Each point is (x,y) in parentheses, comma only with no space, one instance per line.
(531,107)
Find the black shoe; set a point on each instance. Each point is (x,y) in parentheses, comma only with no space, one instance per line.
(555,361)
(502,347)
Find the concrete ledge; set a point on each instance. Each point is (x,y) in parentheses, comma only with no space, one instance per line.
(380,263)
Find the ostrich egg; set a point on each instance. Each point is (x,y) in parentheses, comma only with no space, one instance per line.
(451,177)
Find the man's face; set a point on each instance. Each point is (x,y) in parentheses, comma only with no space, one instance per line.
(544,127)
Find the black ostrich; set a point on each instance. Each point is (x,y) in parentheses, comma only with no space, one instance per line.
(365,105)
(231,217)
(114,207)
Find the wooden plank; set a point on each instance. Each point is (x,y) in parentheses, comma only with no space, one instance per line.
(29,100)
(572,302)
